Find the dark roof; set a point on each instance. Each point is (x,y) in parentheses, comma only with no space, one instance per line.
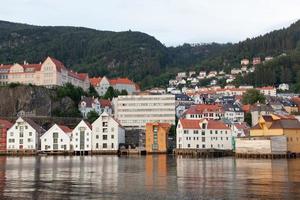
(34,125)
(286,124)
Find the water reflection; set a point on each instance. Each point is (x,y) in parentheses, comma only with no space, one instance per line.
(149,177)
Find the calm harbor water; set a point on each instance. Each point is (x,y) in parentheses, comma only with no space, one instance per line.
(147,177)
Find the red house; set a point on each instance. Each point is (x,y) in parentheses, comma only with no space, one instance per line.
(4,126)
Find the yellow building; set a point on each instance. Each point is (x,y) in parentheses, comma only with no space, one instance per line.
(157,137)
(277,125)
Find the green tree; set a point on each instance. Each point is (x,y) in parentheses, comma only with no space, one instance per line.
(253,96)
(111,93)
(92,116)
(92,92)
(248,118)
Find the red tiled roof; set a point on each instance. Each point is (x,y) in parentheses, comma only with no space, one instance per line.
(195,124)
(6,124)
(201,108)
(266,88)
(121,81)
(59,65)
(35,67)
(65,129)
(77,75)
(95,81)
(105,102)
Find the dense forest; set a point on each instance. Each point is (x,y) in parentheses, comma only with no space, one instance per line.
(143,58)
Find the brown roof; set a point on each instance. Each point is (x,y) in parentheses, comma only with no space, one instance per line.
(65,129)
(59,65)
(202,108)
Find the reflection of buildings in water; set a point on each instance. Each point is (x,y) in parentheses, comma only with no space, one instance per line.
(2,176)
(156,172)
(209,177)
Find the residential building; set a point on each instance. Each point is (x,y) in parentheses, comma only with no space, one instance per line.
(181,75)
(203,134)
(157,137)
(183,99)
(4,71)
(88,104)
(4,126)
(101,84)
(205,111)
(192,73)
(256,61)
(275,125)
(240,129)
(202,74)
(81,138)
(137,110)
(244,62)
(268,91)
(56,139)
(283,87)
(235,71)
(24,136)
(50,73)
(258,110)
(212,74)
(107,134)
(233,113)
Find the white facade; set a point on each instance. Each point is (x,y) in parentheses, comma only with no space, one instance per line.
(137,110)
(23,135)
(57,138)
(203,134)
(81,137)
(107,134)
(284,86)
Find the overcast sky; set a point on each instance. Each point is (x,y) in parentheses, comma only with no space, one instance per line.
(173,22)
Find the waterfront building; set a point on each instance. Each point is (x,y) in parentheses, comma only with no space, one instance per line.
(157,137)
(56,139)
(203,134)
(88,104)
(24,136)
(240,129)
(50,73)
(107,134)
(4,126)
(258,110)
(283,87)
(205,111)
(134,111)
(81,138)
(101,84)
(278,125)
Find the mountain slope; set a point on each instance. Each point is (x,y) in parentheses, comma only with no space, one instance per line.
(134,54)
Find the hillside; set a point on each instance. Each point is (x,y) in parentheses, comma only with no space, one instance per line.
(134,54)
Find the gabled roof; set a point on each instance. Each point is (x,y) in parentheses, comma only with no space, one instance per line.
(121,81)
(34,125)
(65,129)
(105,103)
(279,122)
(59,65)
(95,81)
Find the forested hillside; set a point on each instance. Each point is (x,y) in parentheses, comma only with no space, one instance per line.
(134,54)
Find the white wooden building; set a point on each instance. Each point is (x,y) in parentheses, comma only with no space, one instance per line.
(24,135)
(107,134)
(81,138)
(56,139)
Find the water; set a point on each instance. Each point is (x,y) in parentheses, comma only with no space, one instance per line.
(148,177)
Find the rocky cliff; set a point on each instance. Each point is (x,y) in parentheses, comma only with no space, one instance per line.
(33,101)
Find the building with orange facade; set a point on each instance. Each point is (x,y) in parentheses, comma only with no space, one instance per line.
(157,137)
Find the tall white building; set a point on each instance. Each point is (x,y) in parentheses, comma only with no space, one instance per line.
(24,135)
(107,134)
(137,110)
(81,138)
(203,134)
(57,138)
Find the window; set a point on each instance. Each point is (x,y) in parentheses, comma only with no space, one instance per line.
(196,132)
(29,140)
(203,146)
(112,136)
(185,131)
(97,146)
(97,136)
(30,133)
(216,132)
(45,140)
(104,137)
(197,146)
(203,139)
(21,141)
(104,145)
(203,133)
(112,145)
(112,129)
(189,145)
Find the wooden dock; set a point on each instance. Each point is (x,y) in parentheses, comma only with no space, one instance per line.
(203,153)
(267,156)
